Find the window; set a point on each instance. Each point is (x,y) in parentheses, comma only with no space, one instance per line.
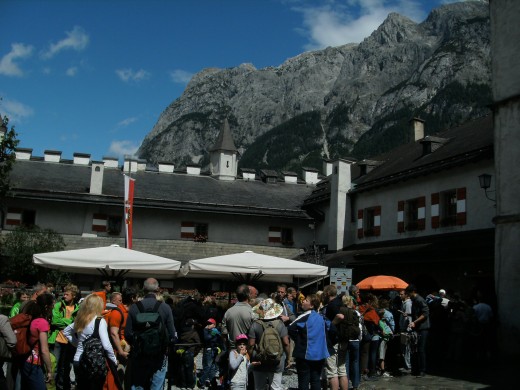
(201,232)
(369,222)
(412,214)
(114,224)
(281,235)
(195,231)
(20,217)
(448,208)
(28,218)
(287,236)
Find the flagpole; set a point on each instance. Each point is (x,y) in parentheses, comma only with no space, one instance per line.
(129,184)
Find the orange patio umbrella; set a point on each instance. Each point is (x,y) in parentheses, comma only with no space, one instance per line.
(382,282)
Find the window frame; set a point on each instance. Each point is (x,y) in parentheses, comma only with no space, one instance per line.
(448,207)
(411,214)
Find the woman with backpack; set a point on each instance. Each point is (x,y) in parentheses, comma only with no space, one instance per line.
(87,327)
(31,373)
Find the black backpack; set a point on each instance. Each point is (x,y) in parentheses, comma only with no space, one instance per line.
(93,361)
(150,337)
(348,328)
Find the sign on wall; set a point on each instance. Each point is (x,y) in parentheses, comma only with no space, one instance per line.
(341,278)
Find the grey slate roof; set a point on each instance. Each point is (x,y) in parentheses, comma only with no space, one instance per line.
(68,182)
(224,139)
(471,141)
(460,145)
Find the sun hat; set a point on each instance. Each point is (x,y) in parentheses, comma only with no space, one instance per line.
(212,321)
(268,309)
(241,338)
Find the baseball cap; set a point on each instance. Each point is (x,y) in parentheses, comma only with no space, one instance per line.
(212,321)
(241,338)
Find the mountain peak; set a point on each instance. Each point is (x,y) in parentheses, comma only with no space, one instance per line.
(332,102)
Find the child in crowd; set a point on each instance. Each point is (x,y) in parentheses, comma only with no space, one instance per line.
(212,342)
(239,364)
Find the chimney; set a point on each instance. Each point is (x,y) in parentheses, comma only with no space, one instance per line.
(417,129)
(141,165)
(81,158)
(23,153)
(310,175)
(327,167)
(248,174)
(366,166)
(96,177)
(52,156)
(111,162)
(193,169)
(269,176)
(290,177)
(166,167)
(130,164)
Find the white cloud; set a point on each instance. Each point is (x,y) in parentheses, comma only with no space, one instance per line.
(8,65)
(67,137)
(336,23)
(180,76)
(129,75)
(72,71)
(126,122)
(120,148)
(16,111)
(77,39)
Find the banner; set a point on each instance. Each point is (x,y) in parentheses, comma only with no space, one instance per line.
(341,278)
(129,209)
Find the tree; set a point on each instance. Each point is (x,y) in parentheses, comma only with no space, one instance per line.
(8,145)
(18,248)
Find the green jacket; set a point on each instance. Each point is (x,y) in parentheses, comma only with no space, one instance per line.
(59,322)
(15,309)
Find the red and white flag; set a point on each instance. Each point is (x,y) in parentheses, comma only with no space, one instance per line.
(129,209)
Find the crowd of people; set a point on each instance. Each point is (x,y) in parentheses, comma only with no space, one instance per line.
(330,340)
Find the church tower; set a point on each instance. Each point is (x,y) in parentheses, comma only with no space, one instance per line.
(223,155)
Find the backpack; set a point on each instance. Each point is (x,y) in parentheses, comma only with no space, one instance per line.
(93,361)
(150,338)
(269,349)
(106,315)
(348,329)
(384,330)
(20,324)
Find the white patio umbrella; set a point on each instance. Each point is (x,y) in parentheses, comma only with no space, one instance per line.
(110,261)
(250,266)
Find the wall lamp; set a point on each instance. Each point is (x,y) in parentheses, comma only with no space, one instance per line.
(485,183)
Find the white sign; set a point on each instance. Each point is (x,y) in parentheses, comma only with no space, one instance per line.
(341,278)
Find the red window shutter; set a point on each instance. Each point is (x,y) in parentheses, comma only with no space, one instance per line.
(461,206)
(435,210)
(377,222)
(421,220)
(188,230)
(360,223)
(275,234)
(99,222)
(400,216)
(14,216)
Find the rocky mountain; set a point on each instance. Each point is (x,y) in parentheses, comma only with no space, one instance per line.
(351,100)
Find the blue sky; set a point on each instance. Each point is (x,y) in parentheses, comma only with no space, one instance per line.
(93,76)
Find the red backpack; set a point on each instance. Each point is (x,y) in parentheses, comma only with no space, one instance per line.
(20,324)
